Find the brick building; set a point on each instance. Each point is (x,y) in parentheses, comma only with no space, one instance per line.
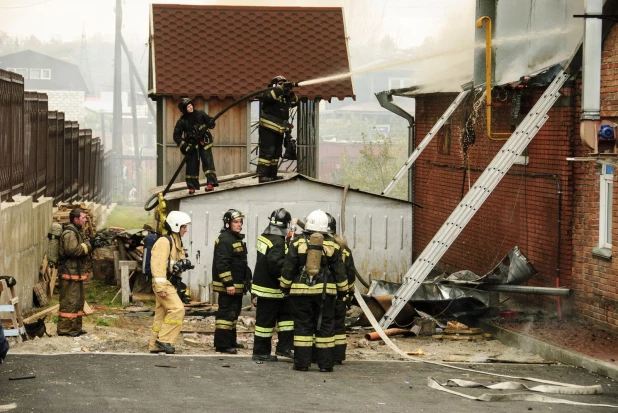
(560,213)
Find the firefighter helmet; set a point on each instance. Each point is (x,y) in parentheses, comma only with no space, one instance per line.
(317,221)
(231,215)
(280,218)
(182,105)
(276,80)
(176,220)
(332,224)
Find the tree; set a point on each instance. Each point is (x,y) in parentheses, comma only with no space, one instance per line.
(380,160)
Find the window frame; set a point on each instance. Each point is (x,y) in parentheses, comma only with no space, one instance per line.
(17,70)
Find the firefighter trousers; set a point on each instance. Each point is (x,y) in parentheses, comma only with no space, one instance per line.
(339,331)
(271,312)
(225,320)
(71,307)
(203,153)
(270,150)
(306,334)
(169,313)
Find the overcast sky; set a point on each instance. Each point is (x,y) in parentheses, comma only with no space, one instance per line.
(408,22)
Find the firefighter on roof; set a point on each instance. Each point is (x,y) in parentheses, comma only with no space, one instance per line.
(193,136)
(274,114)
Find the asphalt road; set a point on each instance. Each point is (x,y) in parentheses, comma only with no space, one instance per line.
(136,383)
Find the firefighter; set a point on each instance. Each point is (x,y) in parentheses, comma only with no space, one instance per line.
(193,136)
(167,259)
(272,306)
(274,114)
(74,250)
(313,275)
(231,276)
(341,304)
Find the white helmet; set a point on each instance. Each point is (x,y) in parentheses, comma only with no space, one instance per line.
(177,219)
(317,221)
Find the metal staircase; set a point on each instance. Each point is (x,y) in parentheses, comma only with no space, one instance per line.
(475,198)
(421,146)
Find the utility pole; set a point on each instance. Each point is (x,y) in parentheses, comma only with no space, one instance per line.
(136,145)
(117,113)
(84,65)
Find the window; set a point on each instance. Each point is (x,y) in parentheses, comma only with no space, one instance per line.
(40,74)
(21,71)
(605,210)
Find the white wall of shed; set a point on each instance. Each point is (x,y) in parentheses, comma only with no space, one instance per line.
(378,229)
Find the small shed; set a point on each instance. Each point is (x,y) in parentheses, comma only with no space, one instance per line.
(378,229)
(217,54)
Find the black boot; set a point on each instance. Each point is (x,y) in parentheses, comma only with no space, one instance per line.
(264,357)
(168,348)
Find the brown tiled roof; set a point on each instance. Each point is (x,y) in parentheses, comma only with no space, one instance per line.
(230,51)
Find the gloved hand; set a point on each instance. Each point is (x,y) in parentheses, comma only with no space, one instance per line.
(285,291)
(287,88)
(342,295)
(186,148)
(181,266)
(211,123)
(95,243)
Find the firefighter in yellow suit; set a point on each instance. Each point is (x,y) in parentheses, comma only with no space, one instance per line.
(168,257)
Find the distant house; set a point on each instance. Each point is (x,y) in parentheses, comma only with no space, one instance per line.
(62,81)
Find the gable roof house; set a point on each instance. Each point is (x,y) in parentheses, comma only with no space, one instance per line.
(217,54)
(557,200)
(61,81)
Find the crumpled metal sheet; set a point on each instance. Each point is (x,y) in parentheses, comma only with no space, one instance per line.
(514,269)
(453,296)
(432,298)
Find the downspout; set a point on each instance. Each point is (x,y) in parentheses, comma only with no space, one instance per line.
(591,76)
(488,51)
(558,302)
(386,101)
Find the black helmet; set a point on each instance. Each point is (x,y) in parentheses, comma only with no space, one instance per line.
(276,80)
(280,218)
(182,105)
(332,224)
(230,215)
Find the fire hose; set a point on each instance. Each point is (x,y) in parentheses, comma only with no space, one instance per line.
(148,206)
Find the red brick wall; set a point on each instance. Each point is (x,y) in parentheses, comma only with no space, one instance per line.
(596,279)
(522,210)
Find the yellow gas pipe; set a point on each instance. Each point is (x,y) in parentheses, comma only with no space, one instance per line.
(479,24)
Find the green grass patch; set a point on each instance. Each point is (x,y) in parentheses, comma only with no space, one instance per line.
(99,293)
(103,322)
(129,217)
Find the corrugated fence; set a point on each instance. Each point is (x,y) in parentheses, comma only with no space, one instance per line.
(44,154)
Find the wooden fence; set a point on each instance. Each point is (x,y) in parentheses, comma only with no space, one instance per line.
(44,154)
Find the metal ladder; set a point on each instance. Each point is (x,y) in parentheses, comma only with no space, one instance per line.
(474,199)
(421,146)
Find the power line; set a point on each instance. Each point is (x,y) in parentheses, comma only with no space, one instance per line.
(23,7)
